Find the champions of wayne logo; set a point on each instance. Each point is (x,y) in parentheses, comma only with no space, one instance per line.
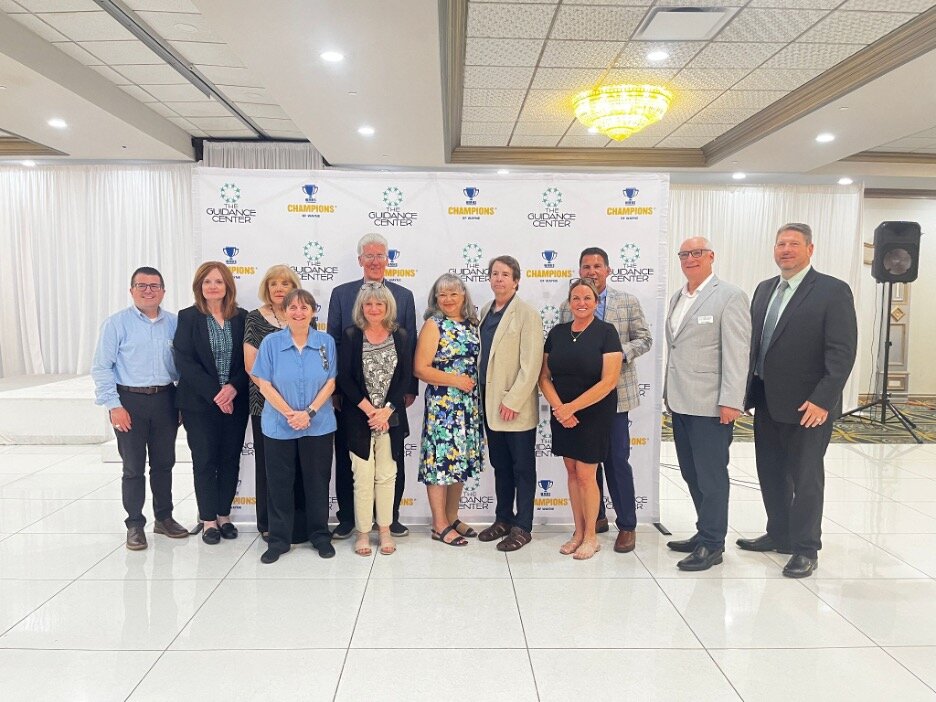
(393,215)
(394,272)
(630,209)
(231,213)
(550,273)
(470,210)
(311,208)
(314,252)
(551,216)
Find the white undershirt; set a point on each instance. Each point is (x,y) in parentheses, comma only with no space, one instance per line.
(684,302)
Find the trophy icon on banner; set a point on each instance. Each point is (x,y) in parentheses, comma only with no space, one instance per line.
(631,195)
(393,255)
(550,257)
(545,484)
(230,252)
(471,194)
(310,189)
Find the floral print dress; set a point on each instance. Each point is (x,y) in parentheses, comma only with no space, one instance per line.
(453,435)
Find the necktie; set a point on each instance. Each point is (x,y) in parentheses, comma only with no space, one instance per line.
(773,314)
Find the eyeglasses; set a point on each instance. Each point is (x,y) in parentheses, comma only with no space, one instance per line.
(695,253)
(143,287)
(374,257)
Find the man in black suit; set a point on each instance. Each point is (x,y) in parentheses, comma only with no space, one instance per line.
(803,344)
(372,256)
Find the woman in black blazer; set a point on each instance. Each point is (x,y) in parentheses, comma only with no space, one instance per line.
(375,368)
(212,394)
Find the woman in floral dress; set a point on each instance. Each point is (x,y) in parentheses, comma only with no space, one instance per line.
(452,438)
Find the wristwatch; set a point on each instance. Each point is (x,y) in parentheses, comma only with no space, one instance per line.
(311,411)
(390,405)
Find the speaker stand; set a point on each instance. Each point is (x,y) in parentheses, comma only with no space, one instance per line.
(884,401)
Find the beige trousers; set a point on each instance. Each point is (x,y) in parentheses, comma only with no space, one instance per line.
(374,483)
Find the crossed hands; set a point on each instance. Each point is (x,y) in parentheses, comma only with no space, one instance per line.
(565,415)
(225,398)
(379,419)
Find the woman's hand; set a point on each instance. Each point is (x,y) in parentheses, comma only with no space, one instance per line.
(227,407)
(570,423)
(464,383)
(379,418)
(225,395)
(298,419)
(563,412)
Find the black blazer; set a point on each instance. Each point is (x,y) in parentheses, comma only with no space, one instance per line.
(812,349)
(354,388)
(198,375)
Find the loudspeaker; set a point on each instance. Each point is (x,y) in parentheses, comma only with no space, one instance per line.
(896,252)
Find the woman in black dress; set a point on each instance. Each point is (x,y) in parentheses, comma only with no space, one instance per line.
(581,366)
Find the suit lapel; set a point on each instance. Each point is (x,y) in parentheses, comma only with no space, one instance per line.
(672,308)
(696,305)
(502,325)
(802,290)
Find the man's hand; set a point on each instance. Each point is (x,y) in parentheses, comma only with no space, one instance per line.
(813,415)
(507,414)
(728,414)
(120,419)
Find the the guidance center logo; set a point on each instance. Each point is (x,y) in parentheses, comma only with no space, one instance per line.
(231,212)
(392,213)
(315,268)
(628,272)
(472,254)
(551,215)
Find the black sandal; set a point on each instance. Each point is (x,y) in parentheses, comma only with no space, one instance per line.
(440,536)
(468,532)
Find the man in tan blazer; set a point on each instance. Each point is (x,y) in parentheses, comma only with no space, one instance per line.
(509,365)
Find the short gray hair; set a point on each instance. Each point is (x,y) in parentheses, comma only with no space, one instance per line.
(450,281)
(375,291)
(803,229)
(372,238)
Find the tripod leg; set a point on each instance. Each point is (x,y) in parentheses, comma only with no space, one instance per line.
(862,408)
(906,423)
(903,415)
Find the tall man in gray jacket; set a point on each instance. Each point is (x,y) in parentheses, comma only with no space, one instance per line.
(708,337)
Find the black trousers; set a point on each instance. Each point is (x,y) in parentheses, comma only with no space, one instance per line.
(619,475)
(154,424)
(311,456)
(702,449)
(344,476)
(300,534)
(513,455)
(216,441)
(791,472)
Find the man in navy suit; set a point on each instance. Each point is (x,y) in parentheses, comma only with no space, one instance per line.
(372,256)
(803,342)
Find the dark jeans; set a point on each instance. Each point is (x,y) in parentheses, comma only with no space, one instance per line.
(154,425)
(702,449)
(620,475)
(310,455)
(792,477)
(513,455)
(344,477)
(300,534)
(216,441)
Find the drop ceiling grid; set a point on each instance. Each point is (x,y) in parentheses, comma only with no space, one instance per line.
(768,49)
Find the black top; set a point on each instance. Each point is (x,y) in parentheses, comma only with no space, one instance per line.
(256,330)
(487,330)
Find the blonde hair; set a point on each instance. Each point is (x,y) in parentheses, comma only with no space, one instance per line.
(229,302)
(277,272)
(379,292)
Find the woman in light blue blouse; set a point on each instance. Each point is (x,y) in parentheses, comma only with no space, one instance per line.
(295,370)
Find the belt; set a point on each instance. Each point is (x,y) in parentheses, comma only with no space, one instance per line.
(149,390)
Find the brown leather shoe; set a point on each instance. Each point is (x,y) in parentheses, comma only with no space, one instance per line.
(171,528)
(625,541)
(136,539)
(601,525)
(497,530)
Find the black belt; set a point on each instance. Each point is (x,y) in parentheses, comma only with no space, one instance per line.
(149,390)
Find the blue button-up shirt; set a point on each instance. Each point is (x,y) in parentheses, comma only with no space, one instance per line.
(602,304)
(133,350)
(298,378)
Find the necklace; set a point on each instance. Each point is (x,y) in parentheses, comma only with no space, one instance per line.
(281,323)
(575,337)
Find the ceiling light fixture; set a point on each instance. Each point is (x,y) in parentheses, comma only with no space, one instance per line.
(619,111)
(29,163)
(825,138)
(365,131)
(845,181)
(57,123)
(658,55)
(332,56)
(739,175)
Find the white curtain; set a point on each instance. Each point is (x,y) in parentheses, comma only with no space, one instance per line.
(742,222)
(262,154)
(71,236)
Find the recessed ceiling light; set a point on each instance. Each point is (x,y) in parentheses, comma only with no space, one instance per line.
(29,163)
(332,56)
(593,130)
(658,55)
(825,138)
(365,131)
(739,175)
(845,181)
(843,108)
(502,171)
(57,123)
(187,28)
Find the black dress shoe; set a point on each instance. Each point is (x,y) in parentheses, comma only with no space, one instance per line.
(270,556)
(800,566)
(228,531)
(325,549)
(684,546)
(398,529)
(763,543)
(702,558)
(211,536)
(343,530)
(601,525)
(136,538)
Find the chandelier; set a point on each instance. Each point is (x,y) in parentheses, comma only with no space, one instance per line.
(618,111)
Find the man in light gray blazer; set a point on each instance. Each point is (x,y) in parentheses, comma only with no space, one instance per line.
(708,337)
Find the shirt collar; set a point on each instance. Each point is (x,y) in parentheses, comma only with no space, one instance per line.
(795,280)
(158,318)
(685,288)
(503,309)
(284,339)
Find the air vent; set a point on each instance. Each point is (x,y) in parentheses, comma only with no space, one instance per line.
(684,23)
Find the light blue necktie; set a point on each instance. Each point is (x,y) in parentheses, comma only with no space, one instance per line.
(770,324)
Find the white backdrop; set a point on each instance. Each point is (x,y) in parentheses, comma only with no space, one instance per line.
(438,222)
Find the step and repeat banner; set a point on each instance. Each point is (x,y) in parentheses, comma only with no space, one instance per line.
(452,222)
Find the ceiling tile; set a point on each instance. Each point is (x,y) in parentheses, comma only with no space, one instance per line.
(87,26)
(183,123)
(889,5)
(597,22)
(516,2)
(861,27)
(680,53)
(547,106)
(483,140)
(913,143)
(497,128)
(60,5)
(241,133)
(493,98)
(208,108)
(183,92)
(210,123)
(533,141)
(638,141)
(772,78)
(925,134)
(691,100)
(573,79)
(111,75)
(552,128)
(138,93)
(122,52)
(151,75)
(291,134)
(653,76)
(631,3)
(709,131)
(502,52)
(173,26)
(673,142)
(517,77)
(207,54)
(747,98)
(78,53)
(723,116)
(495,114)
(769,25)
(698,3)
(229,76)
(734,55)
(801,56)
(267,123)
(10,7)
(507,21)
(797,4)
(37,26)
(161,5)
(241,94)
(580,54)
(257,110)
(161,109)
(593,141)
(707,79)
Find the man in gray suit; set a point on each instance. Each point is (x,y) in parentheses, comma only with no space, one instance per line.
(708,335)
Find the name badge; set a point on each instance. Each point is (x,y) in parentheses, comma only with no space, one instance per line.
(707,319)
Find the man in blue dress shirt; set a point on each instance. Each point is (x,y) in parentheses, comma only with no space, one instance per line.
(134,378)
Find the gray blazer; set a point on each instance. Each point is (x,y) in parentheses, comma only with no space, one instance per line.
(707,357)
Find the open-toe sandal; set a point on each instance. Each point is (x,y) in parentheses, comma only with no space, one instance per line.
(440,536)
(387,546)
(568,548)
(586,550)
(464,529)
(362,545)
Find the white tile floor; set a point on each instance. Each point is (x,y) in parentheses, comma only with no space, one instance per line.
(81,618)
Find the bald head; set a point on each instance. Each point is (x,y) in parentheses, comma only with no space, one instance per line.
(696,258)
